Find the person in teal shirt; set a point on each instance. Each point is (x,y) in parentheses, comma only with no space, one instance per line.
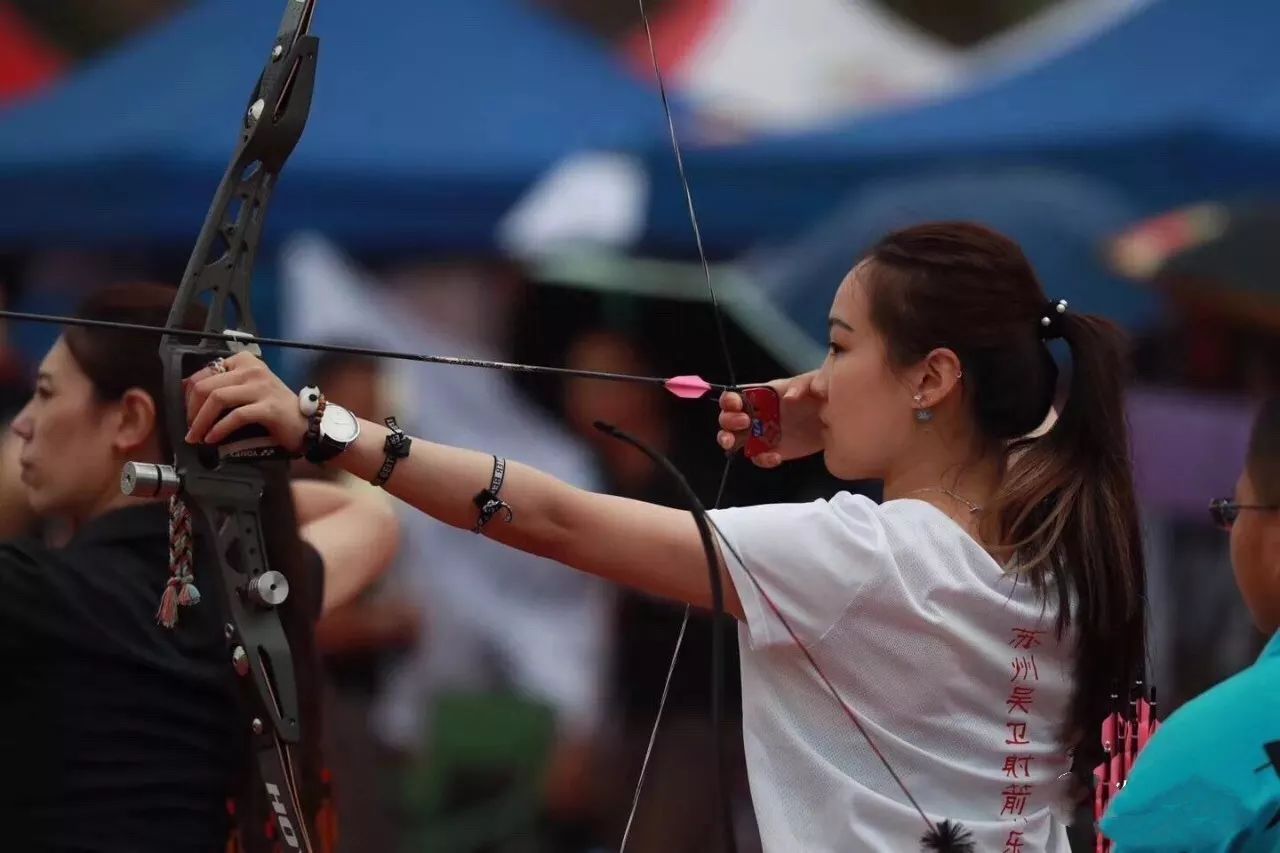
(1209,779)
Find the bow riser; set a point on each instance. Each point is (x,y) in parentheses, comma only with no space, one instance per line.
(224,492)
(222,261)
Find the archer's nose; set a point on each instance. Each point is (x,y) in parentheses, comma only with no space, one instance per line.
(22,424)
(818,387)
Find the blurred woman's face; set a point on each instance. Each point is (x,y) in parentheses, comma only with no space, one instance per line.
(70,441)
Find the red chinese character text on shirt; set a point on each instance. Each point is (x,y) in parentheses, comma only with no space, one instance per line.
(1025,638)
(1017,765)
(1013,844)
(1015,799)
(1020,698)
(1018,733)
(1025,669)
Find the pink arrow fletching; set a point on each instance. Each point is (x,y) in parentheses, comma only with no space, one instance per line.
(1109,732)
(688,387)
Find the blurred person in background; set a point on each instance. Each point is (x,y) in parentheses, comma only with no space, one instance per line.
(494,621)
(120,734)
(672,815)
(994,553)
(360,639)
(1209,780)
(1217,350)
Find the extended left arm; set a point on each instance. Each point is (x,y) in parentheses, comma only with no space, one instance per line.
(645,546)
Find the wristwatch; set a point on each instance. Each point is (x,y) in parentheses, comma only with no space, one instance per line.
(338,430)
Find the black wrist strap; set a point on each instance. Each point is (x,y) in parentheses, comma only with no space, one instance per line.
(396,447)
(487,500)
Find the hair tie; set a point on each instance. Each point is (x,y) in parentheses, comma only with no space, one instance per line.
(1051,319)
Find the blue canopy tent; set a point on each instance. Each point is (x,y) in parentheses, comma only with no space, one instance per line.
(1174,104)
(1060,224)
(429,119)
(1177,102)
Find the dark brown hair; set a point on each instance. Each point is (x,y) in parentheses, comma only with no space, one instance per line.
(116,361)
(1263,460)
(1065,515)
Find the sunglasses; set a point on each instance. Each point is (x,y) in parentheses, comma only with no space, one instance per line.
(1225,512)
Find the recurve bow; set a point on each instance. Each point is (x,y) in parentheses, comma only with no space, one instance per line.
(222,492)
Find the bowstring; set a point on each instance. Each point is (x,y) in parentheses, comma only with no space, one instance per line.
(717,676)
(724,478)
(831,688)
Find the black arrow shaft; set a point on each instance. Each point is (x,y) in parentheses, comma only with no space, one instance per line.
(285,343)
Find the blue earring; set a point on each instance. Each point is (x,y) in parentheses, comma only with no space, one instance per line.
(923,415)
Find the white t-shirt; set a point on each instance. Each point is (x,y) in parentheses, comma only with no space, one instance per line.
(952,665)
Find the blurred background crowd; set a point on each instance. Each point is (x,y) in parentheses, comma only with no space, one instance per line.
(493,178)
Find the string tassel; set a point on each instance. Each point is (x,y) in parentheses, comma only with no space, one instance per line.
(180,590)
(949,836)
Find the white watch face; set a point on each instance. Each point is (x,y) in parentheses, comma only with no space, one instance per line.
(339,425)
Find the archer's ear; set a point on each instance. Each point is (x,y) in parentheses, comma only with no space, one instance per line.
(938,375)
(137,420)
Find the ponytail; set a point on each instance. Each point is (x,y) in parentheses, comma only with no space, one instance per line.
(1065,515)
(1068,510)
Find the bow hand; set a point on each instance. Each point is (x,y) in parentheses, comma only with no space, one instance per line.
(245,394)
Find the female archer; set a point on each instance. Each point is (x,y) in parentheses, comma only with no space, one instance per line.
(972,624)
(120,734)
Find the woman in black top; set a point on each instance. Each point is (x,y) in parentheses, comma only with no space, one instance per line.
(118,734)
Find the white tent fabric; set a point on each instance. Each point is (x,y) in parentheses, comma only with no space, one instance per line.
(755,66)
(1046,35)
(764,65)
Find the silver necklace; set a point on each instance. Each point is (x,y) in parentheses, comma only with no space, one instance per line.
(973,508)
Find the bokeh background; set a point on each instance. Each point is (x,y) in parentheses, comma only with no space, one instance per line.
(495,178)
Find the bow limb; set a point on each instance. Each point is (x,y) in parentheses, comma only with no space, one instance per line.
(224,492)
(722,789)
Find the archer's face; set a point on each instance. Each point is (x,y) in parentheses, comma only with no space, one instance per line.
(866,408)
(68,459)
(1255,557)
